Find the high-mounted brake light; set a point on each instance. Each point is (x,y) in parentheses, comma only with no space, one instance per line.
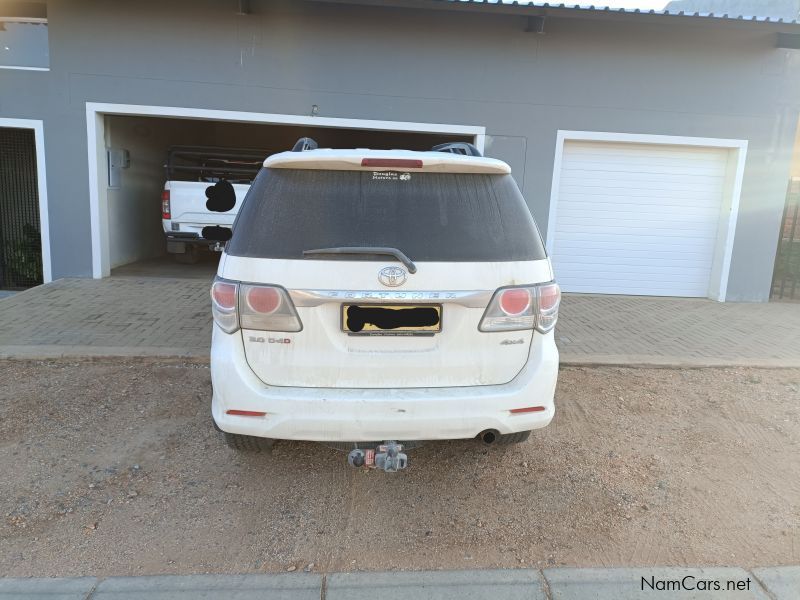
(165,207)
(523,307)
(404,163)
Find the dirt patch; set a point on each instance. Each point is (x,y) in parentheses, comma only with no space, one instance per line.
(113,468)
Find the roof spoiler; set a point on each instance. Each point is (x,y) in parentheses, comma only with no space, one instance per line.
(462,148)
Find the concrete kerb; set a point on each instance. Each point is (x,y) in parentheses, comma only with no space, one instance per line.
(500,584)
(782,582)
(51,352)
(279,586)
(675,362)
(768,583)
(47,588)
(673,582)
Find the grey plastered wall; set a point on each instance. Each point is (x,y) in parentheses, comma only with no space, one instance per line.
(666,77)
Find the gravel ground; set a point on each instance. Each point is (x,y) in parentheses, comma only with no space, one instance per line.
(113,468)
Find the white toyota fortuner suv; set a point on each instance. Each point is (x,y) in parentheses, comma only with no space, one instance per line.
(369,299)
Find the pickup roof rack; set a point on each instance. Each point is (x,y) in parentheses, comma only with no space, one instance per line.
(211,163)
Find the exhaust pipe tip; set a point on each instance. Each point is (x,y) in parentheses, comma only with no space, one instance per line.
(489,436)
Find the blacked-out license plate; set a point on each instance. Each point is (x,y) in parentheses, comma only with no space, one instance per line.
(391,319)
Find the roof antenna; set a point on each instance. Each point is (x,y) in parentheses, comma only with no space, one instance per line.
(305,143)
(462,148)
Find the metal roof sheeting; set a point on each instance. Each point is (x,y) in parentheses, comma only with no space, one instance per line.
(637,11)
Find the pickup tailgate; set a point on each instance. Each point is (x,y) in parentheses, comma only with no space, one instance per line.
(188,205)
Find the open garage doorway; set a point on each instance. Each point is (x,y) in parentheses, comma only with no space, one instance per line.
(24,231)
(129,148)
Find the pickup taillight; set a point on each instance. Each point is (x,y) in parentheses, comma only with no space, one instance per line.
(165,209)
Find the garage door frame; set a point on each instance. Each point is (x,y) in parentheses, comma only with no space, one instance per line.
(737,152)
(95,135)
(41,183)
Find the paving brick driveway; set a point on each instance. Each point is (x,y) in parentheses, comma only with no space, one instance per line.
(636,329)
(128,316)
(114,316)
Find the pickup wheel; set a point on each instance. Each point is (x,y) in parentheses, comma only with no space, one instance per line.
(248,443)
(189,257)
(513,438)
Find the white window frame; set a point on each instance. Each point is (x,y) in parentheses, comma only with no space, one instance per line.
(95,134)
(41,184)
(24,20)
(720,272)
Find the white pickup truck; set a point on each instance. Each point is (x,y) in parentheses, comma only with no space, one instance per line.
(205,187)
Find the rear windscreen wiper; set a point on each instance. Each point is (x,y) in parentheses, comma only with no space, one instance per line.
(412,268)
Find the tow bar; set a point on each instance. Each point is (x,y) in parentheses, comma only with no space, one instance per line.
(388,456)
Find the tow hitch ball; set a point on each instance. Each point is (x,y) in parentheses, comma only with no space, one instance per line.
(389,456)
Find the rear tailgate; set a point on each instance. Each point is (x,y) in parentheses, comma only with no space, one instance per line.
(463,223)
(326,354)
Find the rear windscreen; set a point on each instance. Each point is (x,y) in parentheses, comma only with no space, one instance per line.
(427,216)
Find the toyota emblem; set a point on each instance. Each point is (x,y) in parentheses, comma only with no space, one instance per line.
(392,276)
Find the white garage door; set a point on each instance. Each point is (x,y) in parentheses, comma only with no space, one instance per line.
(638,219)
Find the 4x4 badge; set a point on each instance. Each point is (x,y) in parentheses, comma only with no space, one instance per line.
(392,276)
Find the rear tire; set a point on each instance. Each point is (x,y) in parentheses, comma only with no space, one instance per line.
(189,257)
(248,443)
(512,438)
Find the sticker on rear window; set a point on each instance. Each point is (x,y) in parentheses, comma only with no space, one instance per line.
(391,176)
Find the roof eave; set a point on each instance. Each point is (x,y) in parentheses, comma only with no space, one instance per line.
(584,12)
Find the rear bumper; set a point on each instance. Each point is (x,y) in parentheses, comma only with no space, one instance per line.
(190,232)
(325,414)
(177,236)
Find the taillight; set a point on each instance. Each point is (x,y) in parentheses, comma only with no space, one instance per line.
(223,305)
(165,208)
(262,307)
(267,308)
(523,307)
(548,299)
(514,301)
(263,300)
